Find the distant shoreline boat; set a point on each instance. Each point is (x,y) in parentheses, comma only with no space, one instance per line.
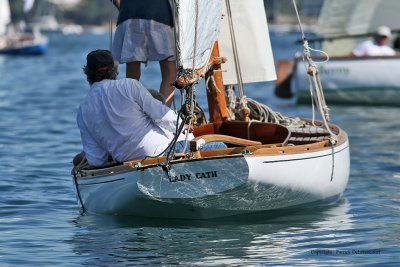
(23,44)
(19,43)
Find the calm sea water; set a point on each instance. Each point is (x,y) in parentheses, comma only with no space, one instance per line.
(40,224)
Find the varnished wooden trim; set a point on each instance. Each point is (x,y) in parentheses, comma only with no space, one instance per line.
(222,138)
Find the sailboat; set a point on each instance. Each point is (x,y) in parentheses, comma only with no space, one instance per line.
(269,164)
(41,15)
(348,80)
(16,42)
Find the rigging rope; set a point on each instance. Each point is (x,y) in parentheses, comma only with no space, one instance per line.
(242,99)
(235,50)
(316,90)
(187,101)
(191,89)
(177,33)
(258,112)
(111,25)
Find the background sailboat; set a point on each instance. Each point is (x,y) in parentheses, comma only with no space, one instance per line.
(16,42)
(344,24)
(41,15)
(5,16)
(348,80)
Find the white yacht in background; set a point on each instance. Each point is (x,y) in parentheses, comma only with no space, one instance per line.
(346,79)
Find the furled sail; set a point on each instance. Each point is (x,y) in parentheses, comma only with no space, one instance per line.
(5,15)
(197,26)
(352,17)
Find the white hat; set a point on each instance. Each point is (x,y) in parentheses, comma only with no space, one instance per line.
(383,31)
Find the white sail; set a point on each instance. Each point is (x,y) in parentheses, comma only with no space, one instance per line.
(251,37)
(197,25)
(5,16)
(66,4)
(28,5)
(349,17)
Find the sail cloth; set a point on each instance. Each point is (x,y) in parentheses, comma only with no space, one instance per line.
(28,5)
(350,17)
(197,24)
(5,16)
(252,39)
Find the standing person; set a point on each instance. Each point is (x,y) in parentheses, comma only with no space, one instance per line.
(145,33)
(376,47)
(121,118)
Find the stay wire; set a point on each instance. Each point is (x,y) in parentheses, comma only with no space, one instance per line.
(318,97)
(111,25)
(235,50)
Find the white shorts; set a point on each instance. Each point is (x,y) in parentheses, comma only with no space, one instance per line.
(143,40)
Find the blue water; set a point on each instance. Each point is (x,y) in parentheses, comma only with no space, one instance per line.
(40,224)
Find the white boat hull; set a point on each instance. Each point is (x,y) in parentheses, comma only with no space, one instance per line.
(223,186)
(352,80)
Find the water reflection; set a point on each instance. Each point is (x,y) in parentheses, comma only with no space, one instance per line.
(256,239)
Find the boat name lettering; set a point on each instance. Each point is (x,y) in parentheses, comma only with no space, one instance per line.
(334,71)
(190,176)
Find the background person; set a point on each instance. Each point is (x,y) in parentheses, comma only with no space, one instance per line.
(376,47)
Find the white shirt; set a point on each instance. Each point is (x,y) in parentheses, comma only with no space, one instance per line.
(122,118)
(369,48)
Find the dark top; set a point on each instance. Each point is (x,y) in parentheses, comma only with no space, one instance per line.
(157,10)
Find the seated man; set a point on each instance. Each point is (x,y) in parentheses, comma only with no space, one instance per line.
(376,47)
(120,117)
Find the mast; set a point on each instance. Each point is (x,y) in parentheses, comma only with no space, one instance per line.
(216,93)
(244,40)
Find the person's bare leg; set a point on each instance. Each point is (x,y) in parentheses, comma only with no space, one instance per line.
(133,70)
(168,74)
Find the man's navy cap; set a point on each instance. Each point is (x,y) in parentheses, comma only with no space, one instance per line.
(100,60)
